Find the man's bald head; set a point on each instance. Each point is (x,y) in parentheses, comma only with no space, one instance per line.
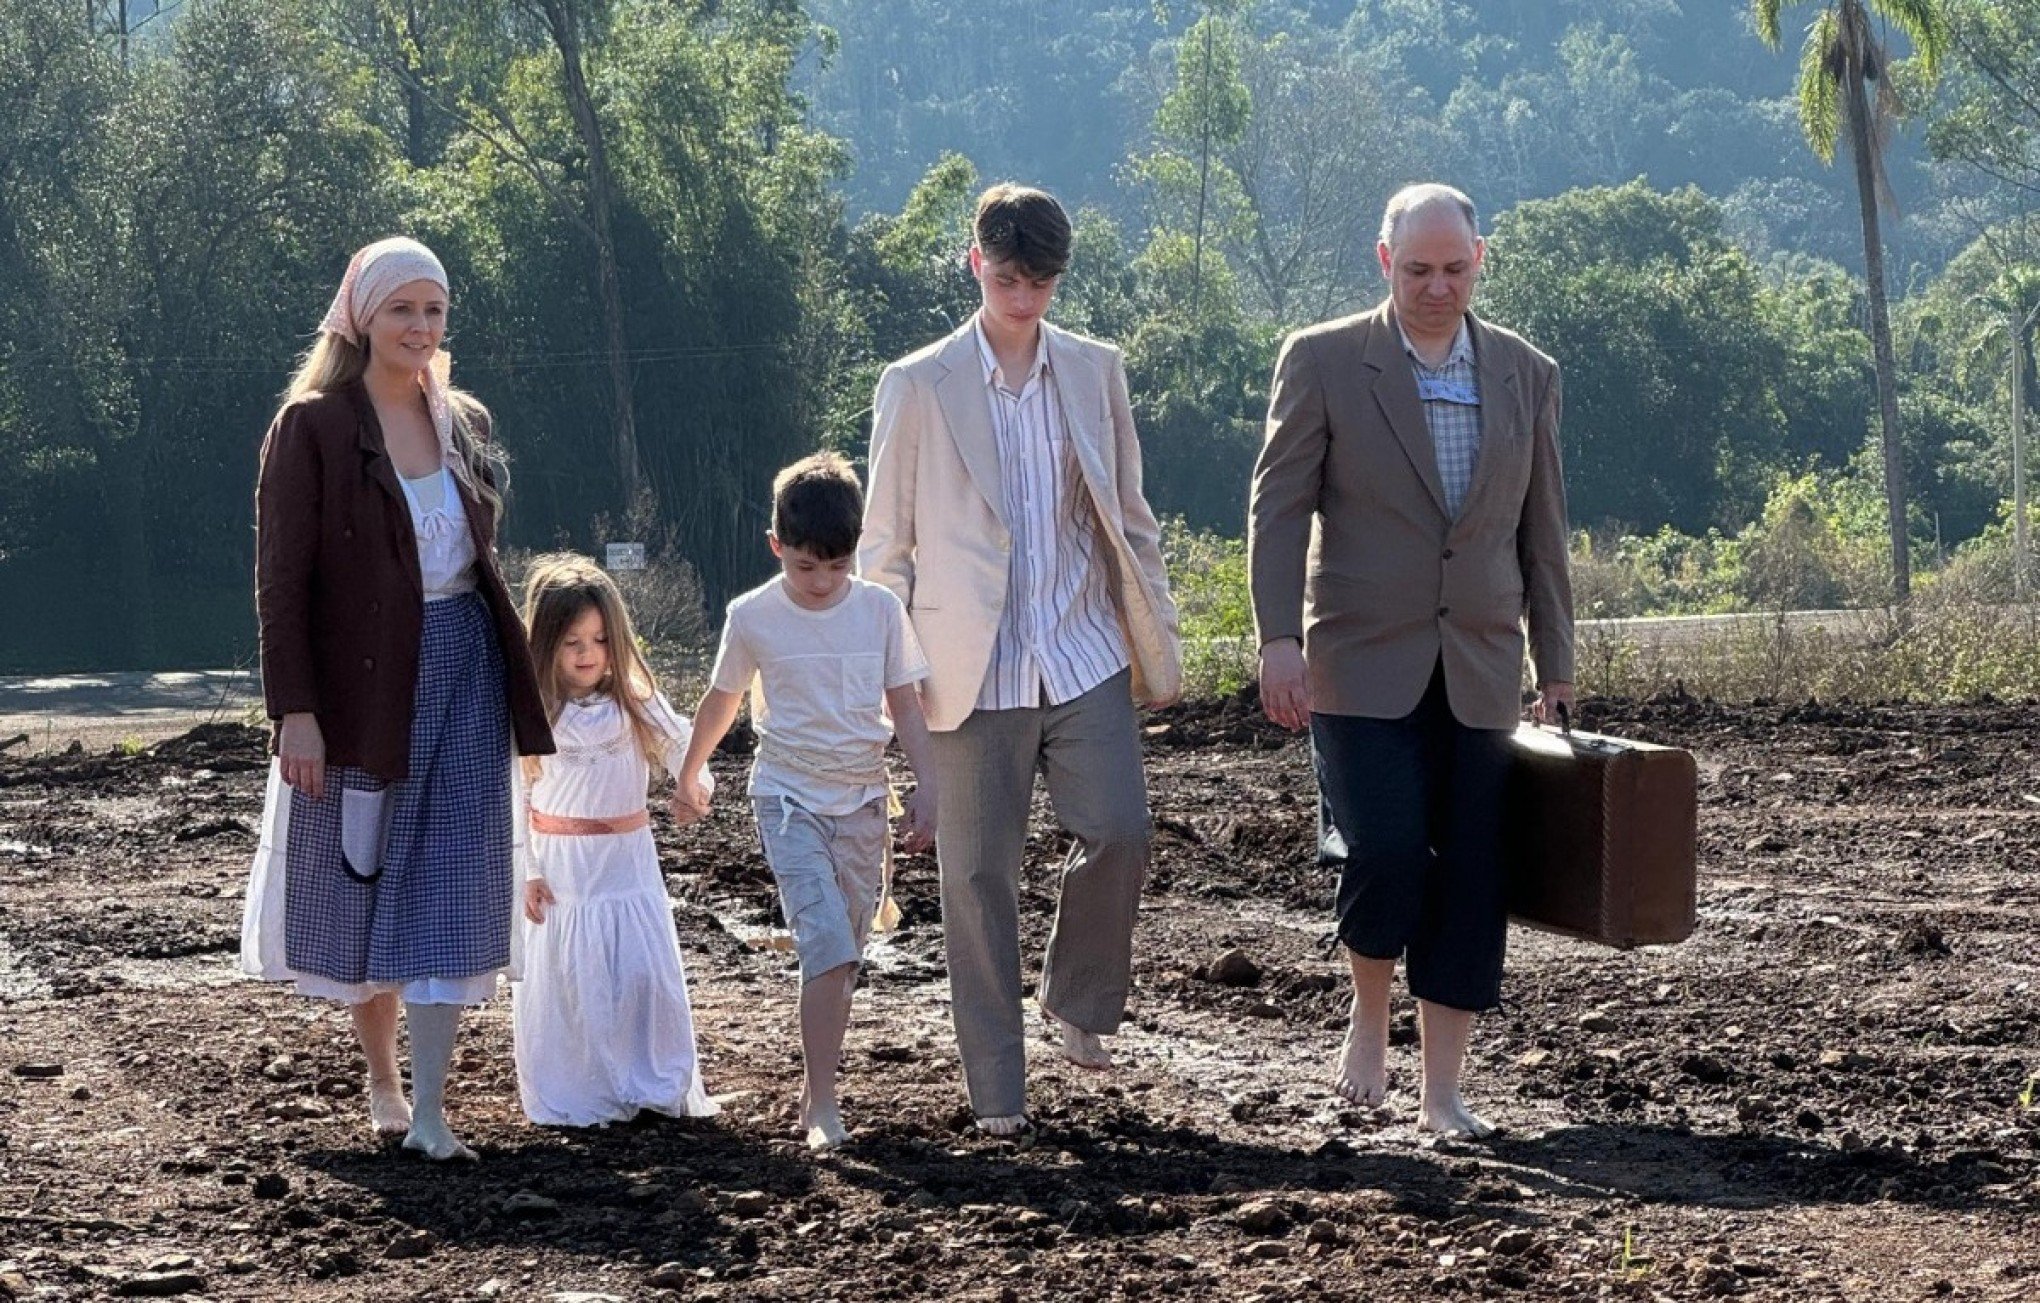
(1426,201)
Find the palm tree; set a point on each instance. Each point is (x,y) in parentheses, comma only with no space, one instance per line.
(1843,55)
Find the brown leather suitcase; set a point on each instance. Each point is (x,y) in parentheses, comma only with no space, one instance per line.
(1604,837)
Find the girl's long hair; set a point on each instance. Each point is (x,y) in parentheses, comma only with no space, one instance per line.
(560,588)
(333,362)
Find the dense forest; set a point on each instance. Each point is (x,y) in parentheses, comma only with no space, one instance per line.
(685,234)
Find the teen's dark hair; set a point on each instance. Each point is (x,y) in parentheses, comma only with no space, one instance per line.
(818,506)
(1023,226)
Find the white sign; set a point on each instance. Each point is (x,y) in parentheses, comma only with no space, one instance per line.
(625,556)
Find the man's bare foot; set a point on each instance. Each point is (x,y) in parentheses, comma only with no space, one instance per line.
(1363,1066)
(431,1137)
(1079,1046)
(1451,1117)
(1003,1126)
(387,1111)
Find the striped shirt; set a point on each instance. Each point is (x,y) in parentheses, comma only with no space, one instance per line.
(1451,397)
(1058,634)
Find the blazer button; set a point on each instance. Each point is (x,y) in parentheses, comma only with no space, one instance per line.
(368,662)
(347,533)
(374,607)
(1448,554)
(1444,611)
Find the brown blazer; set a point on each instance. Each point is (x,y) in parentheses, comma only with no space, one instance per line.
(338,593)
(1349,546)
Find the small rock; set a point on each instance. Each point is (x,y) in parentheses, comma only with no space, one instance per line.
(1263,1009)
(1852,1141)
(1599,1022)
(411,1244)
(526,1204)
(14,1285)
(644,1192)
(584,1296)
(1515,1240)
(493,1287)
(1234,968)
(271,1185)
(81,1092)
(670,1275)
(1321,1232)
(1262,1217)
(1753,1108)
(751,1203)
(1808,1120)
(1268,1251)
(1843,1059)
(1534,1059)
(279,1068)
(160,1284)
(39,1071)
(1704,1067)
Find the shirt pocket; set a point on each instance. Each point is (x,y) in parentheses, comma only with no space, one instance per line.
(863,679)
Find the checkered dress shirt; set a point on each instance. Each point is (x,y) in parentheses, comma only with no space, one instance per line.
(1455,426)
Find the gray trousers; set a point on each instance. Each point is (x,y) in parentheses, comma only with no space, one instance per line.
(1088,753)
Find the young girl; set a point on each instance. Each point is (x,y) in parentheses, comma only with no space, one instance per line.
(601,1016)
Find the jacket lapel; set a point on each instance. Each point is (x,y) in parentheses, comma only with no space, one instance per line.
(1498,401)
(1080,391)
(967,411)
(1395,392)
(377,466)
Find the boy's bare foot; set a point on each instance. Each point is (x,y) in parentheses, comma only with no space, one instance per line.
(1363,1066)
(1451,1117)
(1003,1126)
(431,1137)
(387,1111)
(1081,1047)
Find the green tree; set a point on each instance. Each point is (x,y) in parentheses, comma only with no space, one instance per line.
(1843,58)
(1671,405)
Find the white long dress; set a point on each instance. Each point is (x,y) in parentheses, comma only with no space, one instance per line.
(602,1022)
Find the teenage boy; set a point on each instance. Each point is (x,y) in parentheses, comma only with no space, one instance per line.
(1006,512)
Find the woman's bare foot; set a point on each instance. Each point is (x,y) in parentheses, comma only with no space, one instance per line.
(1363,1065)
(1451,1117)
(388,1112)
(1080,1047)
(1003,1126)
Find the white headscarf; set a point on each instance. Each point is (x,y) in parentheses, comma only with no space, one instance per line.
(376,272)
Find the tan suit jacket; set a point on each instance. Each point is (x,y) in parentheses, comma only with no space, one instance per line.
(1350,547)
(934,527)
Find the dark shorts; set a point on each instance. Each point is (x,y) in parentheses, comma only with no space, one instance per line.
(1410,812)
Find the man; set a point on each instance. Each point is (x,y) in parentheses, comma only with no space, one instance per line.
(1407,518)
(1005,509)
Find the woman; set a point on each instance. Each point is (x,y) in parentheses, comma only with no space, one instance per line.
(397,672)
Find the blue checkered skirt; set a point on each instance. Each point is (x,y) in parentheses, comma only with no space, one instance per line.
(441,905)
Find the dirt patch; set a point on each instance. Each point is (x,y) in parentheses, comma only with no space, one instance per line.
(1825,1095)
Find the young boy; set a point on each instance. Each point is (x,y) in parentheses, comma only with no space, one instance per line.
(825,656)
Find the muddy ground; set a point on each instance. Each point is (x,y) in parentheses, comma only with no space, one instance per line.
(1827,1094)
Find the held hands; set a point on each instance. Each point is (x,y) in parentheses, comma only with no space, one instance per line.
(690,801)
(917,829)
(1549,698)
(302,752)
(538,898)
(1285,691)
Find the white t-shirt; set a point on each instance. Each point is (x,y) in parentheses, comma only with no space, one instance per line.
(817,681)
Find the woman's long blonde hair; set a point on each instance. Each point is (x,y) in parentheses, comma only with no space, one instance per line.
(559,589)
(334,362)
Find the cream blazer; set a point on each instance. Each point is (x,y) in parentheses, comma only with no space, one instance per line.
(1350,547)
(934,527)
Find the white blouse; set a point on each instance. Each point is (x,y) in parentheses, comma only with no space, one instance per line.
(446,550)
